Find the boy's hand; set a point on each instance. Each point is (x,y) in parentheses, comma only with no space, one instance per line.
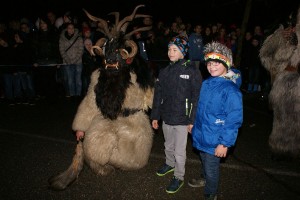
(189,128)
(221,151)
(155,124)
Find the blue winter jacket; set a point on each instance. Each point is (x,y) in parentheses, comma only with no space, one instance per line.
(219,114)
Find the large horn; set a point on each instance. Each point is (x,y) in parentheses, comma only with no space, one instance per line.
(124,27)
(117,17)
(128,18)
(133,52)
(103,23)
(98,46)
(146,28)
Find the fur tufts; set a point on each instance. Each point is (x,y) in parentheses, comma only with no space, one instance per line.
(280,55)
(64,179)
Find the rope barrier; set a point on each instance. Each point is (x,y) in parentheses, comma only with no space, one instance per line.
(60,64)
(30,65)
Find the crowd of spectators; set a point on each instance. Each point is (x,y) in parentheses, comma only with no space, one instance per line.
(50,56)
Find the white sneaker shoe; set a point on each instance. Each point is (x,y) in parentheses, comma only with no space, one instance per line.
(197,182)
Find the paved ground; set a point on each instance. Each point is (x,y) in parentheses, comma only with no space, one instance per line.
(37,142)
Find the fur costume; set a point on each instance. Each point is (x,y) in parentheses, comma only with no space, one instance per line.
(118,133)
(280,55)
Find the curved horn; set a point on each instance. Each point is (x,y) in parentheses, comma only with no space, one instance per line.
(101,21)
(124,53)
(134,49)
(124,27)
(128,18)
(99,50)
(146,28)
(99,44)
(117,16)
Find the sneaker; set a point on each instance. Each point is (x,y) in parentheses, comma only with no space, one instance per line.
(197,182)
(11,102)
(210,197)
(174,186)
(31,103)
(164,170)
(24,102)
(18,101)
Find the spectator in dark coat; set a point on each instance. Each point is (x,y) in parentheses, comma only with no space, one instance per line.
(46,58)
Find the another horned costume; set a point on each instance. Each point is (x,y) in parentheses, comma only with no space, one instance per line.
(280,55)
(118,133)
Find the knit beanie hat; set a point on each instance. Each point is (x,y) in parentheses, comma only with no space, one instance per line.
(218,52)
(181,42)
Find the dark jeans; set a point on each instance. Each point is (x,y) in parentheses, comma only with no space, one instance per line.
(12,85)
(85,83)
(254,75)
(211,167)
(73,79)
(27,85)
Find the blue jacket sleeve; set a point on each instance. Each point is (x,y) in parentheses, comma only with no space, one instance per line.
(234,119)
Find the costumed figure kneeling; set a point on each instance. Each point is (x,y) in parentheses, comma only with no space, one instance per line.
(111,124)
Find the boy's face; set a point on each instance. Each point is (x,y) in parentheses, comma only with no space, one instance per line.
(198,29)
(216,68)
(255,42)
(88,44)
(70,29)
(174,53)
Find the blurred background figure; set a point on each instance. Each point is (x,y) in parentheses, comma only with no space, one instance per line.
(89,63)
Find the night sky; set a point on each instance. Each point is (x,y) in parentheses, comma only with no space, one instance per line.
(263,12)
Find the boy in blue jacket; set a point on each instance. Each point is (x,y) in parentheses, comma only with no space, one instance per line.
(219,116)
(175,103)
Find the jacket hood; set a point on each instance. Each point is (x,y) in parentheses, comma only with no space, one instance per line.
(235,76)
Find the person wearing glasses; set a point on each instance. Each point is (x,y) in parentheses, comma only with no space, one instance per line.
(219,116)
